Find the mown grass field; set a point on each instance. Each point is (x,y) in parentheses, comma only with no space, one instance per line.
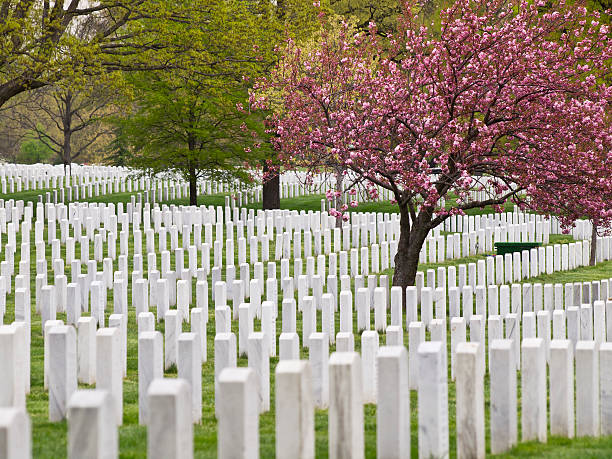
(49,439)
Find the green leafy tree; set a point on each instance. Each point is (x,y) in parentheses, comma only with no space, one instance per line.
(191,119)
(33,151)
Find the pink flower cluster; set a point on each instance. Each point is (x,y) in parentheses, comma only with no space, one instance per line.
(505,100)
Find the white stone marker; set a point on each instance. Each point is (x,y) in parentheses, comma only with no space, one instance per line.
(172,331)
(150,367)
(238,414)
(86,350)
(346,436)
(169,426)
(12,384)
(190,369)
(346,311)
(345,342)
(92,433)
(513,333)
(15,434)
(245,327)
(432,401)
(380,309)
(470,401)
(108,369)
(268,326)
(587,389)
(457,331)
(416,335)
(182,299)
(319,358)
(395,335)
(118,321)
(73,304)
(605,387)
(369,350)
(393,410)
(146,322)
(259,361)
(559,324)
(295,436)
(502,369)
(561,388)
(289,346)
(62,370)
(599,321)
(533,390)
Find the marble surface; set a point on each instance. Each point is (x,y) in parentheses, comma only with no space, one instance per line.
(172,332)
(561,391)
(605,387)
(346,311)
(318,358)
(245,328)
(346,436)
(190,369)
(393,409)
(432,401)
(150,367)
(345,342)
(225,356)
(470,420)
(289,346)
(369,350)
(86,350)
(503,396)
(15,434)
(109,374)
(259,362)
(92,432)
(12,385)
(533,390)
(169,427)
(587,389)
(62,370)
(198,326)
(238,414)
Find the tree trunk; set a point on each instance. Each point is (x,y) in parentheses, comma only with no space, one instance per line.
(408,249)
(271,190)
(67,131)
(339,199)
(193,187)
(593,245)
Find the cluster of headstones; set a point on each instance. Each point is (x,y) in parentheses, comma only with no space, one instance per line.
(71,355)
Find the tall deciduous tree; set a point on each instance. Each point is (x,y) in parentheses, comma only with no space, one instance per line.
(43,42)
(485,99)
(191,119)
(68,121)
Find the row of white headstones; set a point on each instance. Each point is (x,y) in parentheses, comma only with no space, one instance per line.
(178,315)
(169,407)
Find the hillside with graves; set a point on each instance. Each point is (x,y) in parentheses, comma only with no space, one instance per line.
(301,229)
(139,326)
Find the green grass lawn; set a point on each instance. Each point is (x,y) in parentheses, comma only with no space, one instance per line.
(49,439)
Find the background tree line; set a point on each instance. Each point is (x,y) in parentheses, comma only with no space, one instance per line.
(156,85)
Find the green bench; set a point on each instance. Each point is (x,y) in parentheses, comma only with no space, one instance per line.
(501,248)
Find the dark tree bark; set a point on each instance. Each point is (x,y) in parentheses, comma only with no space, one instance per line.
(340,198)
(271,190)
(412,237)
(193,187)
(593,245)
(67,125)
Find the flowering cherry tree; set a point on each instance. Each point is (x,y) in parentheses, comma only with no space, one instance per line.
(494,101)
(582,188)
